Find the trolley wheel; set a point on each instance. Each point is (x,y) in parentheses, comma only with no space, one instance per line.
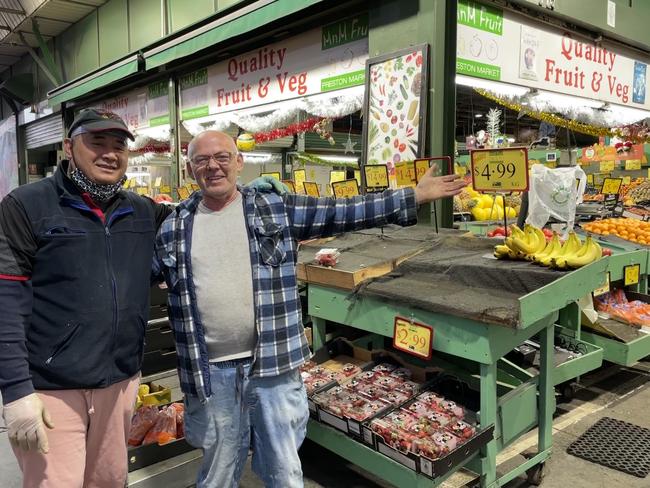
(536,474)
(568,390)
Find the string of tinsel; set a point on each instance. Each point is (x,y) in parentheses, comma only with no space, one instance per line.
(290,130)
(308,158)
(556,120)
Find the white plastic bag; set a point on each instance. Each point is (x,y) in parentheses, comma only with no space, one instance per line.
(555,193)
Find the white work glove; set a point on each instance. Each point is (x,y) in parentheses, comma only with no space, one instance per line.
(25,419)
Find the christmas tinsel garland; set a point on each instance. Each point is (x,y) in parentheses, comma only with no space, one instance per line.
(556,120)
(308,158)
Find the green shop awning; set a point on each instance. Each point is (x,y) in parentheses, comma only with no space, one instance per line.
(93,81)
(239,22)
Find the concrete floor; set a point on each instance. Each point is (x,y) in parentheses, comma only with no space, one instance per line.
(613,391)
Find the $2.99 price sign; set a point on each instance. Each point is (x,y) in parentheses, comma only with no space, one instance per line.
(500,170)
(413,338)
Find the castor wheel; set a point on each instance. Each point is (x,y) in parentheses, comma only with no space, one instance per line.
(568,391)
(536,474)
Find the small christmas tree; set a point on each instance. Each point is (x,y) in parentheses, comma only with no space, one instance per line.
(492,127)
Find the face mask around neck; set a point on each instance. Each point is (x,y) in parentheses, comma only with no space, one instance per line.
(99,193)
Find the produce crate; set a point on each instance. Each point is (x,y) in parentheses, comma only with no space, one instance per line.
(434,468)
(142,456)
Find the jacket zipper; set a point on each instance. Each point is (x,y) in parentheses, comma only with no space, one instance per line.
(111,272)
(68,338)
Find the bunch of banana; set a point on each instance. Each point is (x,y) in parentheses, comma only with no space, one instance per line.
(589,252)
(570,247)
(522,244)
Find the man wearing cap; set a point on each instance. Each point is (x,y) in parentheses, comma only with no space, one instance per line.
(75,262)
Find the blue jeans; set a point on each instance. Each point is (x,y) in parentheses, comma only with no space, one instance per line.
(273,409)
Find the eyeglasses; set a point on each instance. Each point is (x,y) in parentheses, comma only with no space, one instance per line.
(223,159)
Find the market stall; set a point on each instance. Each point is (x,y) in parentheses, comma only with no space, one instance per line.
(479,309)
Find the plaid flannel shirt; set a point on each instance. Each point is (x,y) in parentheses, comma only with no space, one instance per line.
(275,225)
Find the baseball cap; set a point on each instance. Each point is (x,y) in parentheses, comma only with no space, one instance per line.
(96,120)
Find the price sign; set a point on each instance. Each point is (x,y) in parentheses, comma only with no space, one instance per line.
(299,177)
(604,288)
(337,175)
(611,186)
(166,189)
(132,183)
(590,180)
(405,174)
(273,174)
(627,180)
(413,338)
(607,166)
(195,187)
(633,164)
(357,176)
(311,188)
(631,274)
(290,185)
(142,190)
(183,193)
(158,182)
(345,189)
(376,176)
(500,170)
(421,167)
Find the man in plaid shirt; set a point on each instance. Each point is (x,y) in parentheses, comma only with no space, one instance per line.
(229,255)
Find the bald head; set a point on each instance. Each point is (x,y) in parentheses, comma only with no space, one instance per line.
(215,163)
(211,136)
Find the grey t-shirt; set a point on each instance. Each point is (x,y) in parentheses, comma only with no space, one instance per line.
(221,268)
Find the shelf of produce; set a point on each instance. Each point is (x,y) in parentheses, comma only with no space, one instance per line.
(371,460)
(626,352)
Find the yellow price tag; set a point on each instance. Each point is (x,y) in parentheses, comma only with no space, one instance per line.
(158,182)
(631,274)
(607,166)
(142,190)
(421,167)
(376,176)
(500,169)
(337,175)
(273,174)
(183,192)
(345,189)
(413,338)
(299,177)
(405,173)
(633,164)
(604,288)
(627,180)
(290,185)
(611,186)
(195,187)
(132,183)
(166,189)
(590,180)
(311,188)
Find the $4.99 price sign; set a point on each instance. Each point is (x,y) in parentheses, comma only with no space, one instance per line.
(413,338)
(500,170)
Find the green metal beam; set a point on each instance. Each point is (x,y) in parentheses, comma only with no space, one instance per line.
(47,55)
(37,59)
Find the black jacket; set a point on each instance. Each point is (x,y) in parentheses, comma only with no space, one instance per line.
(76,286)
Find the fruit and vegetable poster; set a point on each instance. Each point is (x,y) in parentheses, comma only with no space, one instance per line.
(394,107)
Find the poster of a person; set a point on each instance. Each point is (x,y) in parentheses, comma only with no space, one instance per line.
(529,47)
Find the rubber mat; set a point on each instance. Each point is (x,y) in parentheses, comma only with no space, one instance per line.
(615,444)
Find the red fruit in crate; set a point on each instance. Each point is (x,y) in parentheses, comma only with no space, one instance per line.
(607,251)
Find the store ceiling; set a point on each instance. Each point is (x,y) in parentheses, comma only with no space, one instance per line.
(51,16)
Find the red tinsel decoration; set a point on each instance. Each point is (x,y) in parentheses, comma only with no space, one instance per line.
(160,148)
(304,126)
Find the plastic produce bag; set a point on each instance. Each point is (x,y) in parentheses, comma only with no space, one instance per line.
(141,423)
(180,419)
(164,430)
(554,193)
